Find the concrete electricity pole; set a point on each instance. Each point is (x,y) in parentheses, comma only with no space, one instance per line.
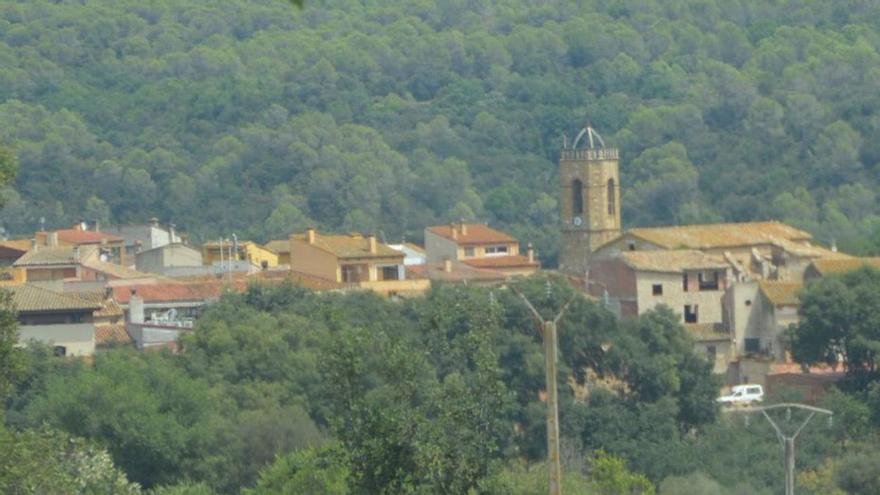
(547,328)
(787,440)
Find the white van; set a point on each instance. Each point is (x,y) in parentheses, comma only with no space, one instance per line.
(742,395)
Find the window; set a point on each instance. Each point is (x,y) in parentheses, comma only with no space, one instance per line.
(657,289)
(468,252)
(490,250)
(711,353)
(389,273)
(708,281)
(577,197)
(684,282)
(690,313)
(748,302)
(352,273)
(631,245)
(59,350)
(753,345)
(612,198)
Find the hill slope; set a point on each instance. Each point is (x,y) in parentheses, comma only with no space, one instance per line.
(255,117)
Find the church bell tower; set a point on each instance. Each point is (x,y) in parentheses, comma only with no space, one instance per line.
(589,191)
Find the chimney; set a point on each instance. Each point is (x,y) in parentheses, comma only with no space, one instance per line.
(530,252)
(463,227)
(447,265)
(35,245)
(135,308)
(154,222)
(75,253)
(371,243)
(310,235)
(171,227)
(108,293)
(97,225)
(52,239)
(454,230)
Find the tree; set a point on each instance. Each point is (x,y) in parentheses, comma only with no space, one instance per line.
(53,463)
(839,322)
(317,470)
(8,169)
(10,356)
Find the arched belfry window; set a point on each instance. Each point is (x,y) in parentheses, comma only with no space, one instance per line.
(577,197)
(612,198)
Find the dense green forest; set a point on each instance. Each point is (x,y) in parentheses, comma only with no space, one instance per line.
(260,118)
(285,391)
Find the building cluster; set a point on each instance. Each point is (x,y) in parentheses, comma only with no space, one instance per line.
(734,286)
(84,288)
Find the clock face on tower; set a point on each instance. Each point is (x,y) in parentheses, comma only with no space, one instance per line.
(577,221)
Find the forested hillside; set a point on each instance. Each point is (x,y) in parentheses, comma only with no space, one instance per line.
(256,117)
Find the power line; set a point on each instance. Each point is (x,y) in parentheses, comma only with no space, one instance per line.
(787,440)
(547,329)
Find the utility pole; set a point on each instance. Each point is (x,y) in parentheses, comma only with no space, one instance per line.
(547,328)
(787,440)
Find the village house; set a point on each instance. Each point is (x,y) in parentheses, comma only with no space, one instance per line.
(478,246)
(65,321)
(822,267)
(690,282)
(281,247)
(110,247)
(353,259)
(174,259)
(56,263)
(142,237)
(244,256)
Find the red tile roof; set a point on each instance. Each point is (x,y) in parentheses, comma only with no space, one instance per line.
(176,291)
(76,236)
(111,334)
(500,262)
(458,273)
(476,233)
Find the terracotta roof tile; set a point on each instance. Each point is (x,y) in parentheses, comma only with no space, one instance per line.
(22,245)
(707,236)
(175,291)
(476,233)
(77,236)
(350,246)
(499,262)
(781,293)
(672,261)
(279,246)
(459,273)
(114,270)
(32,298)
(61,255)
(826,266)
(109,307)
(112,334)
